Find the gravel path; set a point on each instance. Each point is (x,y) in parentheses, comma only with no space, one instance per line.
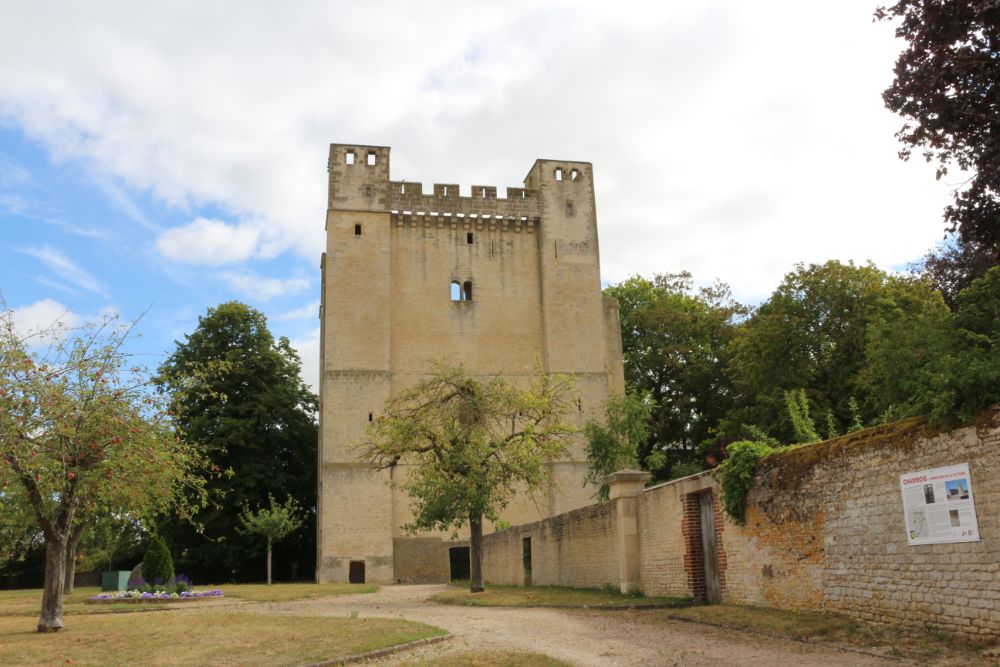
(579,637)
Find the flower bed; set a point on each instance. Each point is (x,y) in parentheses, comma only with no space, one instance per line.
(159,596)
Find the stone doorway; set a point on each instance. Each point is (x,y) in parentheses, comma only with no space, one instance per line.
(458,558)
(356,572)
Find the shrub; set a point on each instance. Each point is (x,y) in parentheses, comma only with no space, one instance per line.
(736,475)
(157,565)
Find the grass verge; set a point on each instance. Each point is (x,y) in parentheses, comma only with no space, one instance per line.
(551,596)
(28,602)
(289,592)
(924,647)
(490,659)
(205,637)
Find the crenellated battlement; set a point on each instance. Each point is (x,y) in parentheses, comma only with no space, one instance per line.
(407,197)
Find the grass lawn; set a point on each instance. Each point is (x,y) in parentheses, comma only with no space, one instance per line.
(288,592)
(28,602)
(203,637)
(548,596)
(893,641)
(490,659)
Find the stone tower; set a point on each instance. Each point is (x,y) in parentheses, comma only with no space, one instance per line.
(409,278)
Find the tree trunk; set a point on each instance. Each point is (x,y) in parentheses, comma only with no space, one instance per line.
(71,544)
(476,553)
(51,618)
(269,562)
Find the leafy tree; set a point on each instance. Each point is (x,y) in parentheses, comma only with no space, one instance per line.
(615,444)
(157,564)
(811,334)
(274,523)
(943,364)
(676,343)
(955,264)
(254,416)
(79,435)
(471,443)
(946,91)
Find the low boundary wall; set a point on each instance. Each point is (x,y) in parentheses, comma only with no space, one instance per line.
(824,531)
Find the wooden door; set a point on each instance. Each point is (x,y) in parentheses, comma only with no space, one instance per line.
(713,592)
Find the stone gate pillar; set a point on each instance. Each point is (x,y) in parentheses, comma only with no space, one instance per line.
(625,487)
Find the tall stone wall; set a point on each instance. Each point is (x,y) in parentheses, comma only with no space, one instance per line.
(571,549)
(824,531)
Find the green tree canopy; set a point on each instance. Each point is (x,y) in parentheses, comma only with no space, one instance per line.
(254,416)
(930,361)
(471,443)
(811,334)
(676,346)
(80,437)
(614,443)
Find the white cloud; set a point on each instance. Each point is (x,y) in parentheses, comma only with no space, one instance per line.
(208,241)
(262,288)
(308,311)
(726,139)
(67,269)
(308,349)
(43,320)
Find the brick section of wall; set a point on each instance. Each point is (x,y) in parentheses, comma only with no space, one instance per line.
(694,555)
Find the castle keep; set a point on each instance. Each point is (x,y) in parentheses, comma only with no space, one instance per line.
(493,282)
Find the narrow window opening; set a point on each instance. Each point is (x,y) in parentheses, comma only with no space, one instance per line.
(456,291)
(444,191)
(368,191)
(558,173)
(402,188)
(574,174)
(349,158)
(468,238)
(371,159)
(369,416)
(467,290)
(569,207)
(357,230)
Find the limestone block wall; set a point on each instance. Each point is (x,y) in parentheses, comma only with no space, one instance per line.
(571,549)
(824,531)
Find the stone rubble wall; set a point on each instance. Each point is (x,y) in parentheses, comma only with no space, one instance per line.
(824,531)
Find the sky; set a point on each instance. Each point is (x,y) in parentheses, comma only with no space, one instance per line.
(157,159)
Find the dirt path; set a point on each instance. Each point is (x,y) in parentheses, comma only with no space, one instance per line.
(579,637)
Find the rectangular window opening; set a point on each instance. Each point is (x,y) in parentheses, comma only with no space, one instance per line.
(349,158)
(467,290)
(574,174)
(468,238)
(357,230)
(456,291)
(369,416)
(371,159)
(558,173)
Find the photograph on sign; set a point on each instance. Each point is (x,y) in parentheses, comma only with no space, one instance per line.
(938,505)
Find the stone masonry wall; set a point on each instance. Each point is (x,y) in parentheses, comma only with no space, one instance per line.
(572,549)
(824,531)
